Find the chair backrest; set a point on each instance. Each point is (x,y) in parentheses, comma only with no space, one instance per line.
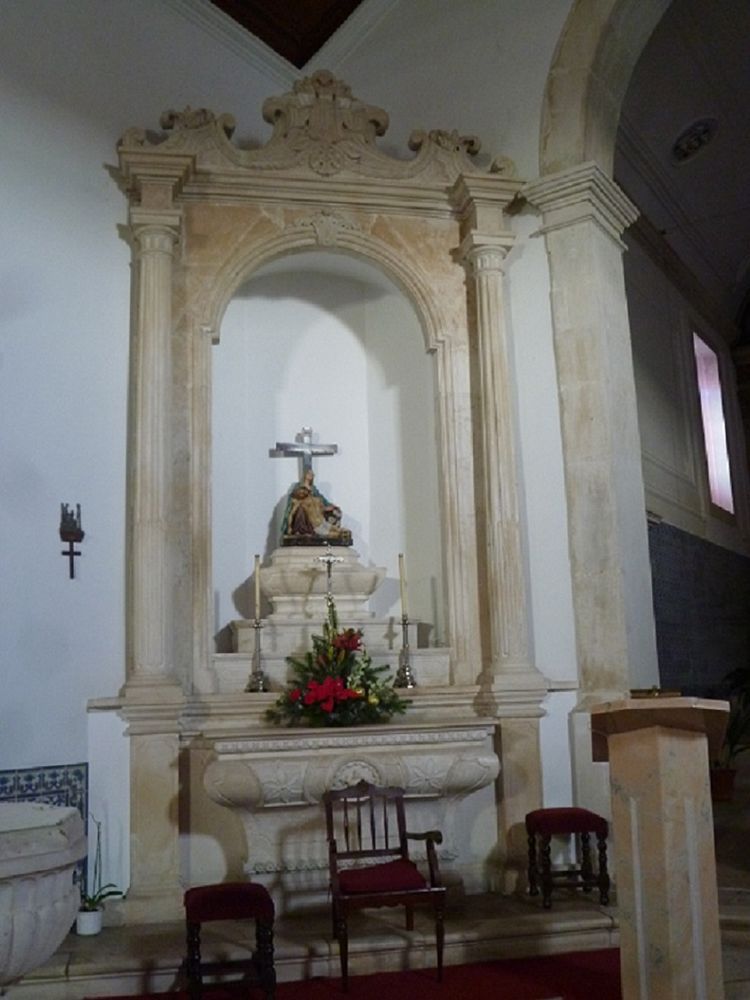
(366,821)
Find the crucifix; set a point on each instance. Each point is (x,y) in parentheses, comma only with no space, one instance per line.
(302,447)
(329,559)
(71,532)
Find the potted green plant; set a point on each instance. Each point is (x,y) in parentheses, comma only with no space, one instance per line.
(737,736)
(90,910)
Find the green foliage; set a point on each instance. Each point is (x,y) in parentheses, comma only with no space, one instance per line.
(94,899)
(336,684)
(737,738)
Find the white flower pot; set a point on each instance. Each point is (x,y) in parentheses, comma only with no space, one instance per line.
(89,921)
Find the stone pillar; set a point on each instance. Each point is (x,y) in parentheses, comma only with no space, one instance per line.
(155,891)
(512,687)
(152,696)
(584,216)
(154,239)
(667,898)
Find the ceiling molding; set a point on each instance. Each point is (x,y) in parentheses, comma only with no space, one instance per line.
(248,47)
(644,162)
(352,34)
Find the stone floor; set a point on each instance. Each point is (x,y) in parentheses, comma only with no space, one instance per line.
(133,959)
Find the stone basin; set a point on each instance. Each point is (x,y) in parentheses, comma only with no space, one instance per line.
(39,847)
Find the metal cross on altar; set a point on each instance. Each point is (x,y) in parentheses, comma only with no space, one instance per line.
(304,448)
(329,559)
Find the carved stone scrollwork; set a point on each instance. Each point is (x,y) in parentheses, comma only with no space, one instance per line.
(328,227)
(318,128)
(195,118)
(450,141)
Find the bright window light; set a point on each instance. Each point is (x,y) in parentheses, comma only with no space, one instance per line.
(714,427)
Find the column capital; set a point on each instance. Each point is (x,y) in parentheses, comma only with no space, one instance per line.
(485,252)
(581,194)
(480,200)
(155,230)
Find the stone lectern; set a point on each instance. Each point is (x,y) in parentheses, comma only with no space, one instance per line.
(658,750)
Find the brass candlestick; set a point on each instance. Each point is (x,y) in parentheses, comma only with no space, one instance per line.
(257,680)
(404,676)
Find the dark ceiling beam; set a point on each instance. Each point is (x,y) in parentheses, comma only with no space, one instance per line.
(295,29)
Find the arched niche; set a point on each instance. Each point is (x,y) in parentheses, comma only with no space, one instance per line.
(326,336)
(204,217)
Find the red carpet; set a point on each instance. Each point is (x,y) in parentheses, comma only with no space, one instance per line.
(582,975)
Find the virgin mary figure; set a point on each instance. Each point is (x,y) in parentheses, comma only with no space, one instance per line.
(310,518)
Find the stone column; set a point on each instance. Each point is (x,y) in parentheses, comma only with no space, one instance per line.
(154,239)
(512,687)
(584,216)
(155,891)
(152,695)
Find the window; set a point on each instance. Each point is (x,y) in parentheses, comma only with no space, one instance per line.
(714,427)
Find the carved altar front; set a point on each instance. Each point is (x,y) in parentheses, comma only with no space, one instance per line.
(275,782)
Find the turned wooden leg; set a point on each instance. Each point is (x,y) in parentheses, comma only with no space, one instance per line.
(193,965)
(343,939)
(603,881)
(546,870)
(587,871)
(264,958)
(439,939)
(533,872)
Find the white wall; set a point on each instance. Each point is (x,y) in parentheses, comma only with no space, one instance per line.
(663,321)
(74,76)
(478,66)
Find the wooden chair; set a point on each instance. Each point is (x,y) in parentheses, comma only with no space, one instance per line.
(368,851)
(230,901)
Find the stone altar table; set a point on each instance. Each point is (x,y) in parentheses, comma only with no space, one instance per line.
(667,896)
(275,781)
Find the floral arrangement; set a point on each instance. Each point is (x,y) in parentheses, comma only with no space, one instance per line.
(336,683)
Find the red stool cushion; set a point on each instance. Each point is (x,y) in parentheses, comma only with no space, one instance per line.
(565,819)
(393,876)
(229,901)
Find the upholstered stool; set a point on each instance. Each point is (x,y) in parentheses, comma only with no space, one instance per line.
(230,901)
(567,821)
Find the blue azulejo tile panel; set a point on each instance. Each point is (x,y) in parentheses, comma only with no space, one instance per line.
(701,609)
(58,785)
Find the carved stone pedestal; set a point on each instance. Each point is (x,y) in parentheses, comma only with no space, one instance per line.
(664,845)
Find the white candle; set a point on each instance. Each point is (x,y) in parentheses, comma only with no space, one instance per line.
(257,587)
(402,581)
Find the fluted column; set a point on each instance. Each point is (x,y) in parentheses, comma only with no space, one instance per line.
(508,619)
(153,695)
(154,241)
(512,689)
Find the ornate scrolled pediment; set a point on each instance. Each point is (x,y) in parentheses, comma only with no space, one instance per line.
(319,129)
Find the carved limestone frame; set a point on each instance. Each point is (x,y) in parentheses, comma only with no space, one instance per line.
(204,215)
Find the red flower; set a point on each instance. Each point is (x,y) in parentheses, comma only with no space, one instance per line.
(326,693)
(295,695)
(350,640)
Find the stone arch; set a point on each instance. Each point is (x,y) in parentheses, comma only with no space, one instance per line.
(597,52)
(248,260)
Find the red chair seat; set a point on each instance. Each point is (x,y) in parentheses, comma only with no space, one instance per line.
(393,876)
(229,901)
(565,819)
